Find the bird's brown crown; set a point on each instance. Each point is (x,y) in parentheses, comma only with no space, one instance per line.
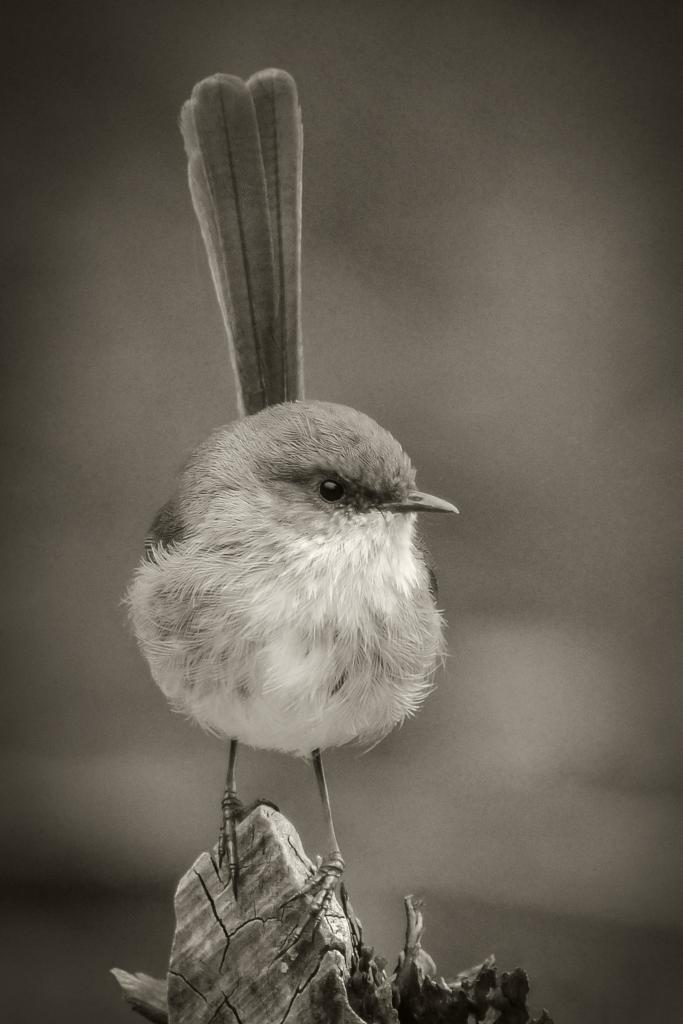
(323,439)
(301,442)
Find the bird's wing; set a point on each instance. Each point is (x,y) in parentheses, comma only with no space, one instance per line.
(244,165)
(168,528)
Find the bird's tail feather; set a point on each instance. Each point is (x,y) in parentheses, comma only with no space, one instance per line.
(281,133)
(243,143)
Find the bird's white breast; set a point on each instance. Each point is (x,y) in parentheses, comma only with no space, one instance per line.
(325,638)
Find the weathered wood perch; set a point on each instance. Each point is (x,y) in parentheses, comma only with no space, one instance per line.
(259,960)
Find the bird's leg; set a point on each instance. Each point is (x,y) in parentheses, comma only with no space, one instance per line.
(231,806)
(332,868)
(322,884)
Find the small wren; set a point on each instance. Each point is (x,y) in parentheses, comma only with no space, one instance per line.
(285,600)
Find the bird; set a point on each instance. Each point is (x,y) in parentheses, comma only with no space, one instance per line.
(285,600)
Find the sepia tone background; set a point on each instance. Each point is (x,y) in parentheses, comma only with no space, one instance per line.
(490,235)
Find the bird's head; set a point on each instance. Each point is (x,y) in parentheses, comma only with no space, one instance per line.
(309,464)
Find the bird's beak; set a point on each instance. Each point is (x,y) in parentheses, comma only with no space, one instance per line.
(418,501)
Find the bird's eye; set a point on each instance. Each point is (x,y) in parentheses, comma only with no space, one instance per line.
(331,490)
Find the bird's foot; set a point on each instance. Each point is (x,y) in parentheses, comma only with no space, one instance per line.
(233,812)
(319,890)
(323,884)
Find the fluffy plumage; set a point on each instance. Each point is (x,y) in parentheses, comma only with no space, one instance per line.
(273,617)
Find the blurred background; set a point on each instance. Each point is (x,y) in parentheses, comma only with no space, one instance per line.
(490,206)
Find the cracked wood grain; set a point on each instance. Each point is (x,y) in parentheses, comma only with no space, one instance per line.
(257,959)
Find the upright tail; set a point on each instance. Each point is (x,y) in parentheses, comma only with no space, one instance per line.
(244,150)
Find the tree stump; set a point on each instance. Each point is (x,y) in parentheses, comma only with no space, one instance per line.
(264,959)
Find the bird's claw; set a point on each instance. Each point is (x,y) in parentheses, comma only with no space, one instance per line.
(320,888)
